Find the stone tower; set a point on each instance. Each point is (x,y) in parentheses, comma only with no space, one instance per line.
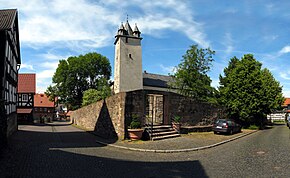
(128,59)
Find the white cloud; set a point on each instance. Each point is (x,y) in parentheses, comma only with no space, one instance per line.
(215,83)
(45,74)
(51,56)
(166,15)
(228,43)
(81,23)
(284,75)
(285,49)
(168,69)
(27,66)
(49,65)
(57,22)
(286,93)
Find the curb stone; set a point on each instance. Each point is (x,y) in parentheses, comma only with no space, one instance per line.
(175,151)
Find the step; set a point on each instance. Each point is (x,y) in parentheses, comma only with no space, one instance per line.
(163,133)
(159,126)
(160,130)
(165,137)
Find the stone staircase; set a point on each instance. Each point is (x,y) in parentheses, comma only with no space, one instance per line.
(159,132)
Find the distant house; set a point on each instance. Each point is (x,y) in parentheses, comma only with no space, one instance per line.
(280,115)
(286,105)
(9,65)
(43,108)
(25,95)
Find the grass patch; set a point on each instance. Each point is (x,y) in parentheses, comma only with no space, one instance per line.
(279,121)
(253,127)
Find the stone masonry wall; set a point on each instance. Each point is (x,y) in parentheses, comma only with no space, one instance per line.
(105,118)
(109,118)
(192,112)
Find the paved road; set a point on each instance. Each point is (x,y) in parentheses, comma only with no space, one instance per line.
(61,150)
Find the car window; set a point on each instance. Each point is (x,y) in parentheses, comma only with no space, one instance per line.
(220,122)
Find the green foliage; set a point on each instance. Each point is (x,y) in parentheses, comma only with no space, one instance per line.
(93,95)
(176,119)
(191,77)
(135,123)
(248,92)
(78,74)
(253,127)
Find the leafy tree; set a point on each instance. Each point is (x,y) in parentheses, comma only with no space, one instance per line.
(273,98)
(93,95)
(247,91)
(78,74)
(191,77)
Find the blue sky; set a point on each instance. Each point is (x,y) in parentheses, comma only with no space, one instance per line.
(56,29)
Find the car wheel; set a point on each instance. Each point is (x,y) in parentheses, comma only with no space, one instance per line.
(215,132)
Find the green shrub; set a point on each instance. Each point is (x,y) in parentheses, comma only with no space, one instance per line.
(253,127)
(135,123)
(176,119)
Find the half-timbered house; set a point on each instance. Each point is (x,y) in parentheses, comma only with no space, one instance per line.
(26,91)
(9,65)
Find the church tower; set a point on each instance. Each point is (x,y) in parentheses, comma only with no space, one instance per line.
(128,59)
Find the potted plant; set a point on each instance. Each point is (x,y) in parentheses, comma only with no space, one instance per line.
(135,131)
(176,123)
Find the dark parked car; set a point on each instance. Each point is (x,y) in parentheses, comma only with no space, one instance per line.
(288,122)
(226,126)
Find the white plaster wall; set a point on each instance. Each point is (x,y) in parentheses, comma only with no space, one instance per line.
(128,71)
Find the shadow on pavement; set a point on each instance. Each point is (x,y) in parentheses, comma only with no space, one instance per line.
(58,163)
(76,154)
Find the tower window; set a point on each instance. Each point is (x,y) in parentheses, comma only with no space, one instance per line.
(130,56)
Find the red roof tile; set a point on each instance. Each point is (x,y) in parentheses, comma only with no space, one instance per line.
(41,100)
(26,83)
(287,101)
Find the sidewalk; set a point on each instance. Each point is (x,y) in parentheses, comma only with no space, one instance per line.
(187,142)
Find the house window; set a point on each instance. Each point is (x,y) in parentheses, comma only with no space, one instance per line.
(24,97)
(40,109)
(45,109)
(35,109)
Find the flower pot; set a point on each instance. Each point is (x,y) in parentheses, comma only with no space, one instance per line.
(135,134)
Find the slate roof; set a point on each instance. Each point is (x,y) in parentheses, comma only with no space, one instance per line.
(7,18)
(41,100)
(26,83)
(156,80)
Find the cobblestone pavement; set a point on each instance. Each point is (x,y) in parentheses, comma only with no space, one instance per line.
(60,150)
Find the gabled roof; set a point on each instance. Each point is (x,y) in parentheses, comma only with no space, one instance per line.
(26,83)
(156,80)
(7,18)
(41,100)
